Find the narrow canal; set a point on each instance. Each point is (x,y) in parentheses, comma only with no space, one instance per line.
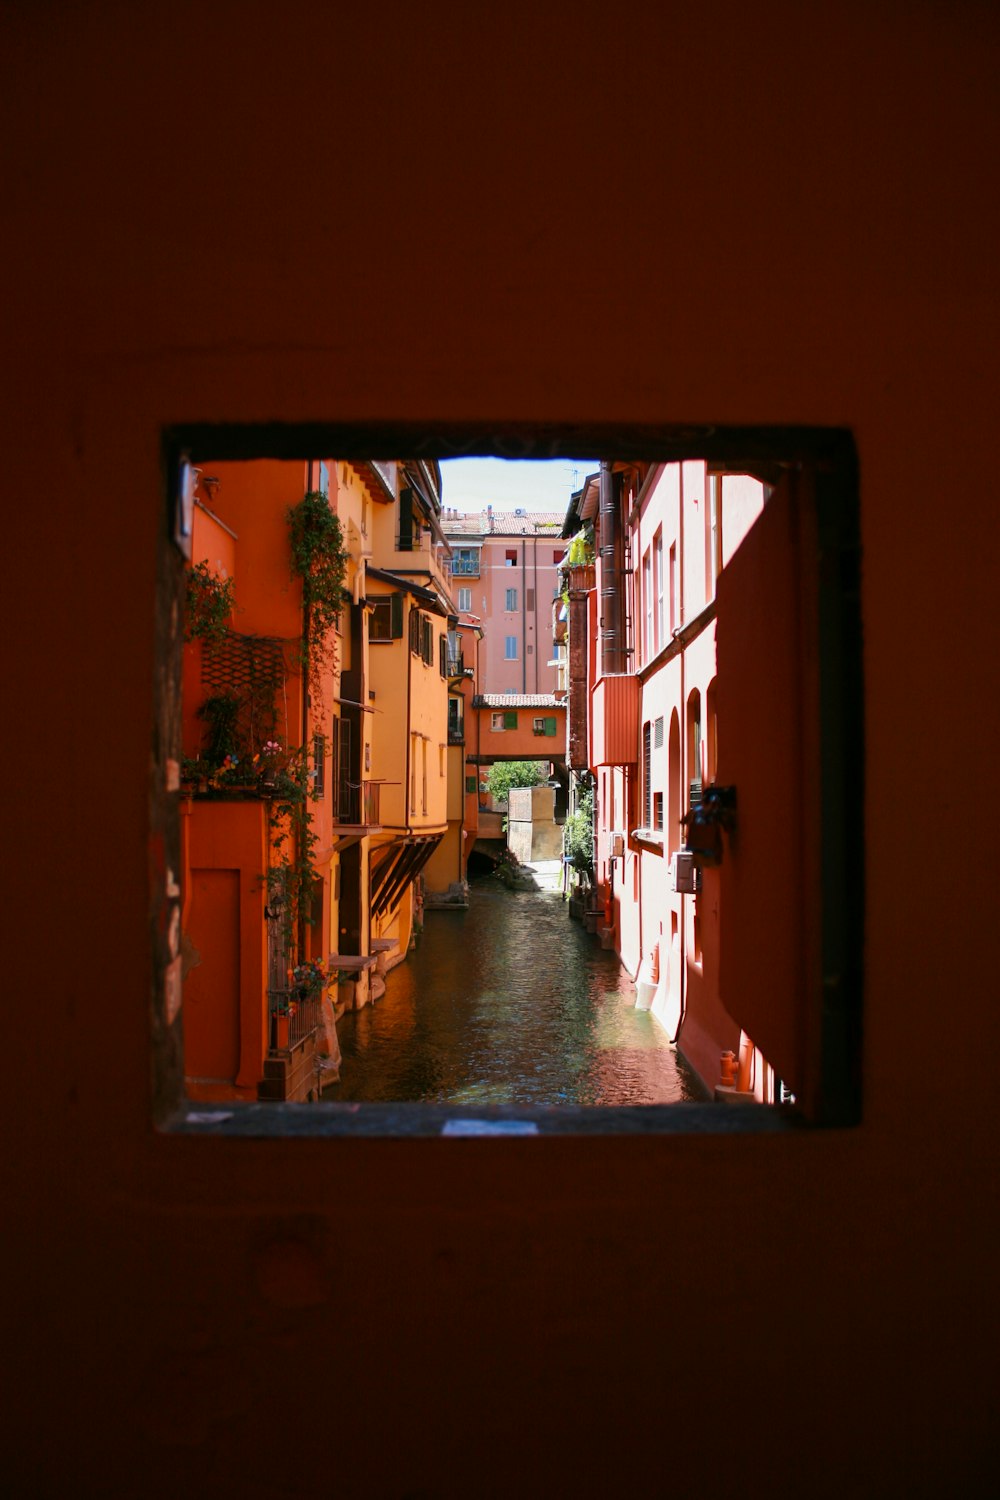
(508,1002)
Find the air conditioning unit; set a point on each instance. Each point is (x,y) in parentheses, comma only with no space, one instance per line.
(617,846)
(685,877)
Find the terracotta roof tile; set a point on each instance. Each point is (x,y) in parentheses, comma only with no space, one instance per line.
(517,700)
(504,523)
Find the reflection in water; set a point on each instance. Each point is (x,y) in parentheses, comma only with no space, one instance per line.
(508,1003)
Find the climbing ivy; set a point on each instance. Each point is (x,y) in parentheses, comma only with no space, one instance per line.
(319,558)
(209,604)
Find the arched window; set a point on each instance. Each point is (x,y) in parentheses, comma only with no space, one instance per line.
(674,785)
(711,733)
(694,747)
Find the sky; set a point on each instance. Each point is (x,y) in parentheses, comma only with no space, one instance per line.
(474,483)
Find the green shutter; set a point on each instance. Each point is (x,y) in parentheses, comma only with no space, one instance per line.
(550,725)
(510,719)
(396,617)
(470,784)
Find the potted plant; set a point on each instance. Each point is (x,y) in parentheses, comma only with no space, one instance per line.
(309,979)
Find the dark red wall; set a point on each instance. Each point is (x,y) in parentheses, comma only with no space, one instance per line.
(723,213)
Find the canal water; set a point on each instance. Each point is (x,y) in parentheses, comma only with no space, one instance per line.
(509,1002)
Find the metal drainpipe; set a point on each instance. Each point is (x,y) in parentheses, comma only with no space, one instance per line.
(524,617)
(685,783)
(534,556)
(610,621)
(409,732)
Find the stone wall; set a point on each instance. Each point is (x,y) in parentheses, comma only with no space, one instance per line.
(532,832)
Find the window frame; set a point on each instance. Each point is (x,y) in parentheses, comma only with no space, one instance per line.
(829,455)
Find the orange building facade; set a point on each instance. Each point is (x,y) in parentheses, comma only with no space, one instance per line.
(312,795)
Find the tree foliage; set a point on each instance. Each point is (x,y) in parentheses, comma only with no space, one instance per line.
(503,774)
(578,834)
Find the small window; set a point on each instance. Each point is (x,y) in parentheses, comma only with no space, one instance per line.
(511,603)
(558,556)
(415,635)
(545,725)
(658,811)
(465,601)
(658,733)
(426,640)
(510,557)
(456,720)
(387,618)
(510,648)
(471,785)
(496,723)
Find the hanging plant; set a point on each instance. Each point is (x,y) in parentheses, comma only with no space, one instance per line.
(581,548)
(319,558)
(209,604)
(221,714)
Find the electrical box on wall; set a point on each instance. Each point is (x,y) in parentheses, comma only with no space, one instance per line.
(685,877)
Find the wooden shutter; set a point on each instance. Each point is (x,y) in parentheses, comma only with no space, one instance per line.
(550,725)
(769,891)
(396,617)
(510,719)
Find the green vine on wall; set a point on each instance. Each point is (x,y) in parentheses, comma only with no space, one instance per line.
(209,604)
(319,558)
(292,876)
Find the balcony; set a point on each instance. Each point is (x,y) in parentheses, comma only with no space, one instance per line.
(463,567)
(615,706)
(356,806)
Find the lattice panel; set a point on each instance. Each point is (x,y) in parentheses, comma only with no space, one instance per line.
(252,669)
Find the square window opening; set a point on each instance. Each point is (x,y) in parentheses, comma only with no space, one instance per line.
(257,680)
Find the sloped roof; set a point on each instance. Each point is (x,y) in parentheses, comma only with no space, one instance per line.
(484,523)
(517,700)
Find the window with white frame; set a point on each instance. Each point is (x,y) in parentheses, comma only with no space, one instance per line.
(511,602)
(647,607)
(510,648)
(465,601)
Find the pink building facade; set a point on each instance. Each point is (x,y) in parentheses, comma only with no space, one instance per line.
(505,574)
(661,541)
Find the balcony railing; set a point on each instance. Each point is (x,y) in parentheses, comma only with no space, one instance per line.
(454,663)
(357,803)
(303,1016)
(456,734)
(463,567)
